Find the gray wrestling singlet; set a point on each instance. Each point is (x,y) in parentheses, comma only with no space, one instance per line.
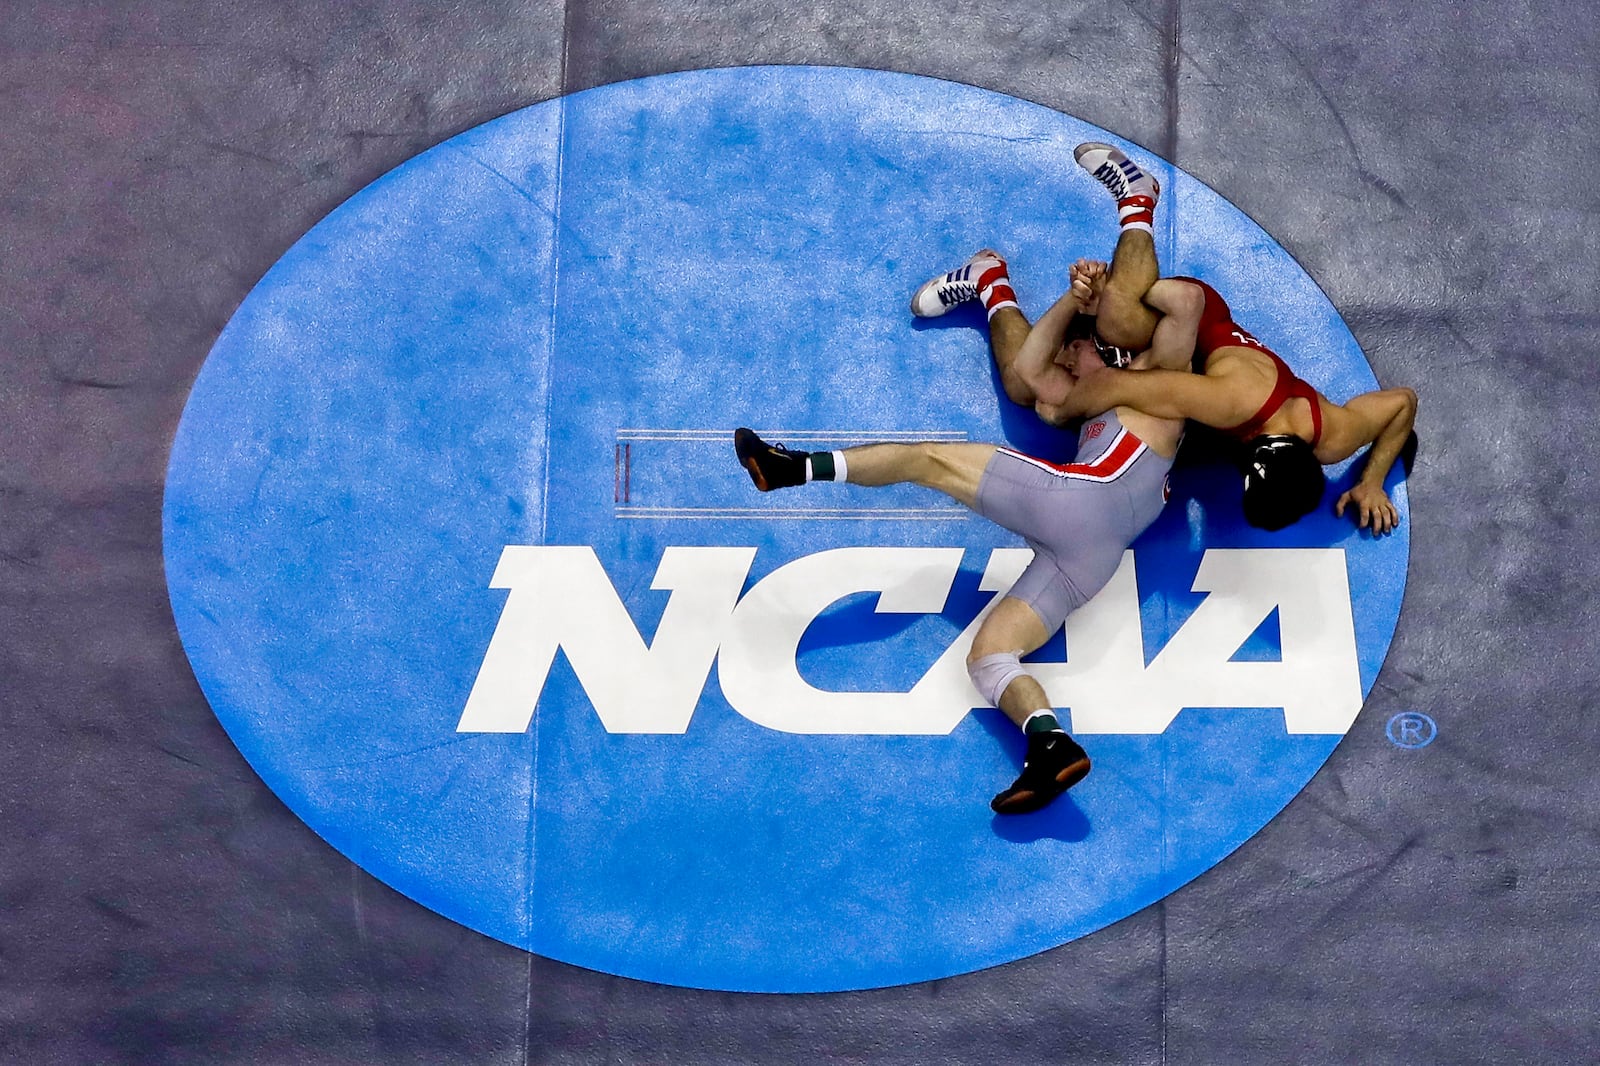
(1077,517)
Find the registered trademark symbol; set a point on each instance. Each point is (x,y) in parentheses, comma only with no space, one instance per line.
(1411,729)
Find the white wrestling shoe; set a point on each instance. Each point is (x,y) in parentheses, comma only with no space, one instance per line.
(1113,169)
(946,291)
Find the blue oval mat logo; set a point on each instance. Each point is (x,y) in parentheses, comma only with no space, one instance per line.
(459,552)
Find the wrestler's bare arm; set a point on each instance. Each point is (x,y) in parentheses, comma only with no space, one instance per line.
(1158,393)
(1036,360)
(1181,304)
(1383,419)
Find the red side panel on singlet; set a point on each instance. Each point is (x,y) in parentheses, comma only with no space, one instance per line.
(1218,330)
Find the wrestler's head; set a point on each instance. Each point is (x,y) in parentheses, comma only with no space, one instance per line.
(1283,482)
(1077,353)
(1082,327)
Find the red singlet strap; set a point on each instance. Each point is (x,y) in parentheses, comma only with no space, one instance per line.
(1284,389)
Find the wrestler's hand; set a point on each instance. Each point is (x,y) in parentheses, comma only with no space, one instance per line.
(1094,271)
(1088,281)
(1373,508)
(1088,299)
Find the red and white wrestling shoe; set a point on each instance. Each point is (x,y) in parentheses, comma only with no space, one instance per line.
(984,277)
(1111,167)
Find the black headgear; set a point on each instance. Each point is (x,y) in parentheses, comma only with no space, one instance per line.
(1111,355)
(1283,482)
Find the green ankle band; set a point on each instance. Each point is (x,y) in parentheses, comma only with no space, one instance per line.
(1041,722)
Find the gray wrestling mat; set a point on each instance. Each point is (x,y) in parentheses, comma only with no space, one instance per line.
(1427,168)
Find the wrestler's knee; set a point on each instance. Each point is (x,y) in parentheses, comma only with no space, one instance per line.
(992,674)
(925,461)
(1124,320)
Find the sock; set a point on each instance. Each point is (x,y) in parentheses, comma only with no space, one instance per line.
(1136,212)
(826,466)
(1042,722)
(994,289)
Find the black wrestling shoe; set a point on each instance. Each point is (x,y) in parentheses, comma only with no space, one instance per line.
(771,466)
(1054,763)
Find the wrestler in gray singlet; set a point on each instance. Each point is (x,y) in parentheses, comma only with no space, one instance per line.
(1077,517)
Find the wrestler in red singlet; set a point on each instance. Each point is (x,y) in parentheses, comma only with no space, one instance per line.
(1218,330)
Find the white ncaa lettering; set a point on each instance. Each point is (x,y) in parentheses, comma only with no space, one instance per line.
(561,597)
(1317,680)
(766,686)
(757,664)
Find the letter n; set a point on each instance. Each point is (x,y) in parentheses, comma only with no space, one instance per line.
(560,597)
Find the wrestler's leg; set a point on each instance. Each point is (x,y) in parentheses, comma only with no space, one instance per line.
(1125,320)
(1008,333)
(1013,629)
(1056,516)
(1054,761)
(951,468)
(985,278)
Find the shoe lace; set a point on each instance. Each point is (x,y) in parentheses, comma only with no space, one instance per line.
(954,292)
(1111,176)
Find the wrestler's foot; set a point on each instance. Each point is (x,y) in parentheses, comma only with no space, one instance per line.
(771,466)
(1112,168)
(1054,763)
(984,277)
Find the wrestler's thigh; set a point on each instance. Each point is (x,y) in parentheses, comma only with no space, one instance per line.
(955,468)
(1015,625)
(1081,526)
(1033,500)
(1125,320)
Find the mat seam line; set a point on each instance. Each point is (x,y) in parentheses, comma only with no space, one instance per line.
(544,499)
(1171,62)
